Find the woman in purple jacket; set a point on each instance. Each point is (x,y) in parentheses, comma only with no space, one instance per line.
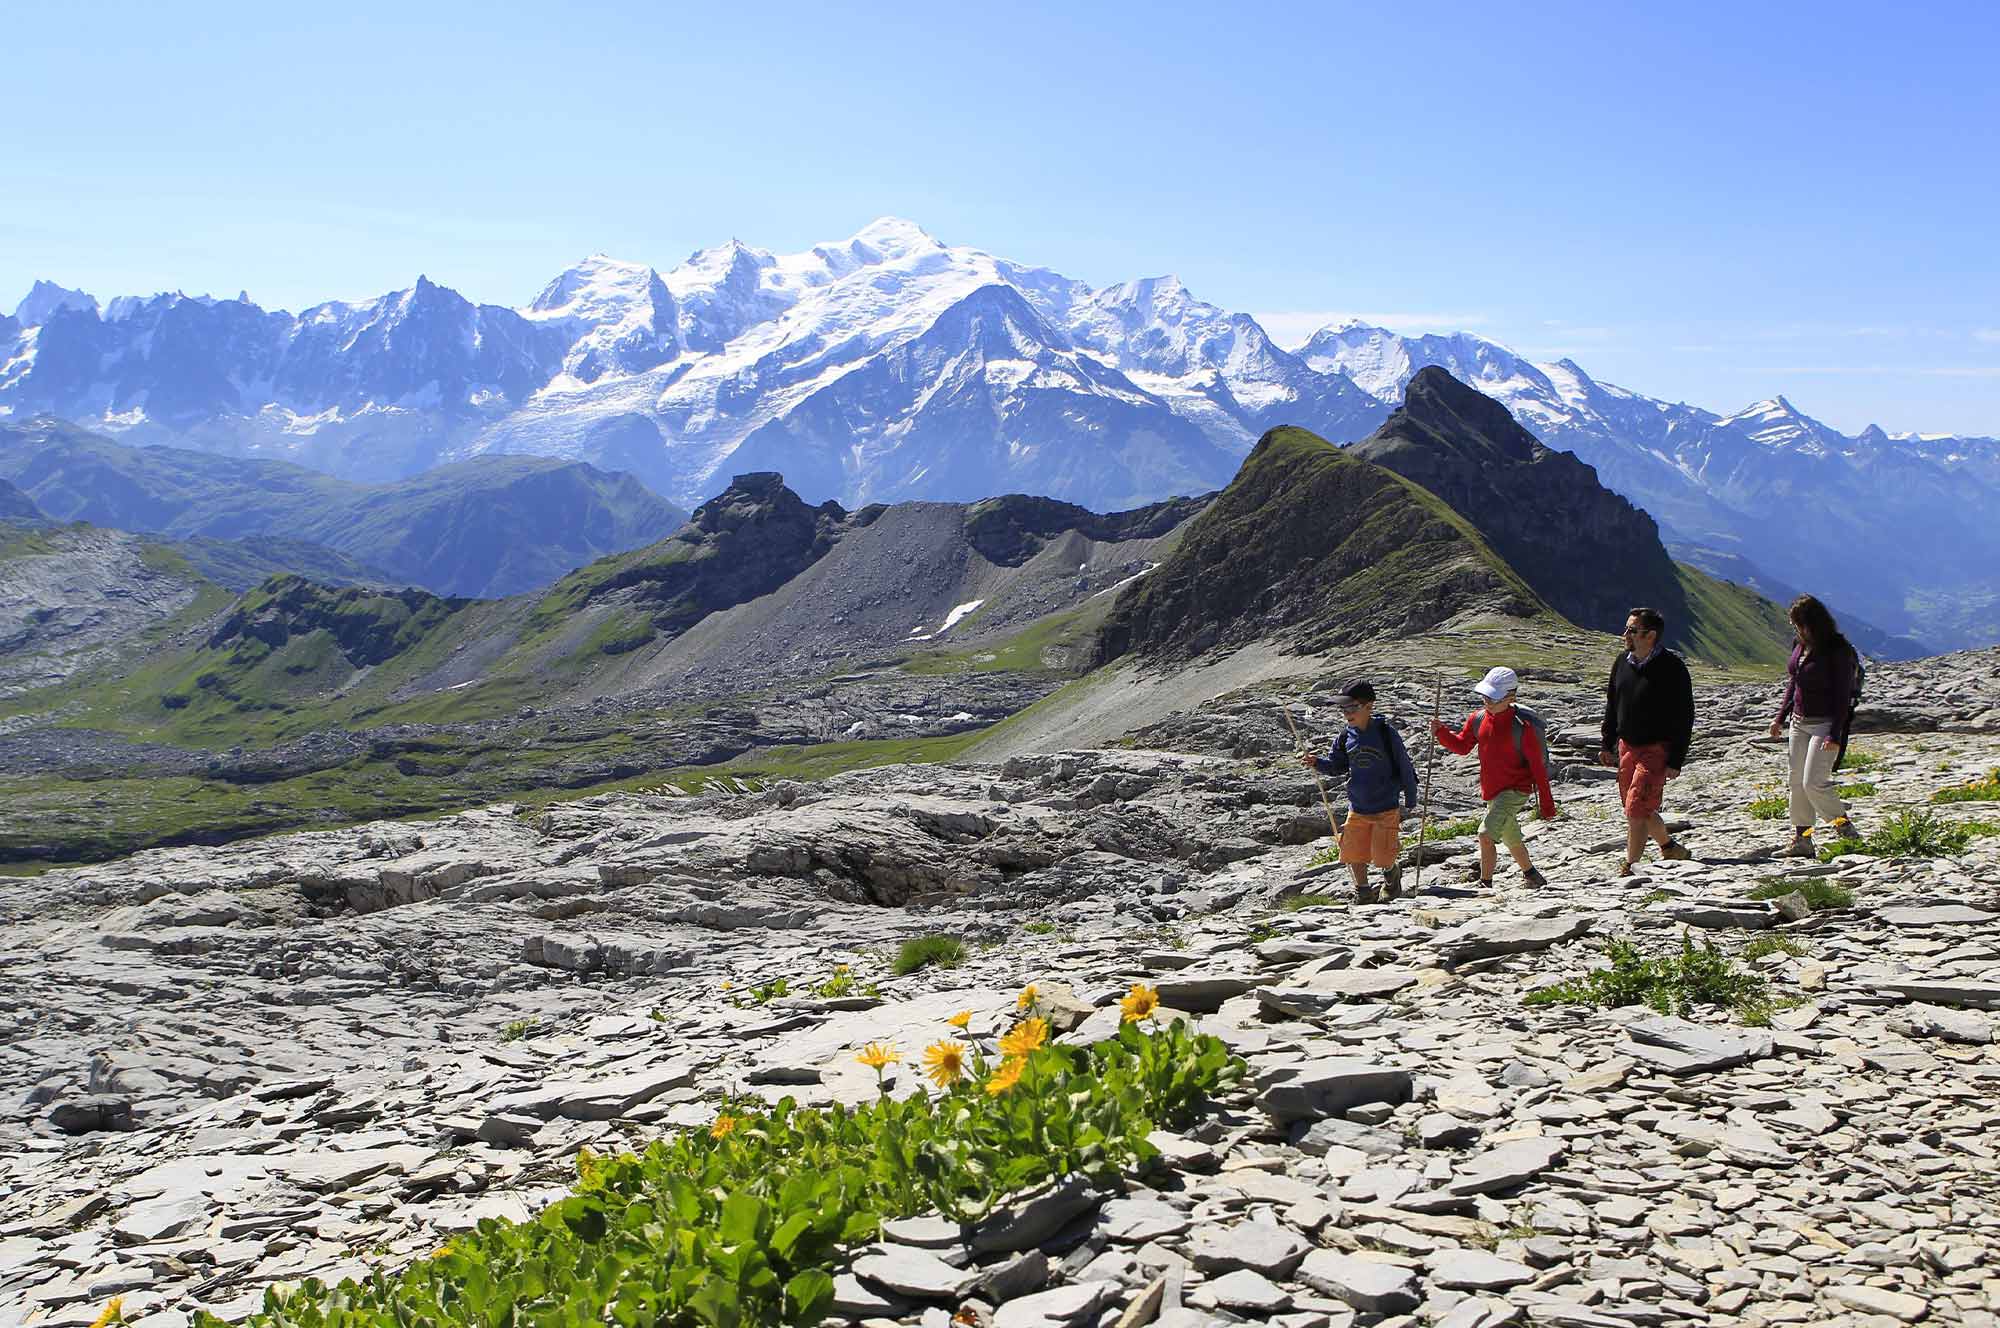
(1819,700)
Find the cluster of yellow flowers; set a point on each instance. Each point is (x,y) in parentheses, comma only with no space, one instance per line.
(948,1062)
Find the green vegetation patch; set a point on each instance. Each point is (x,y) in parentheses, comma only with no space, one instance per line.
(1913,832)
(1699,976)
(742,1223)
(1732,624)
(924,951)
(1983,788)
(1062,642)
(1821,893)
(1860,758)
(1447,830)
(1294,903)
(1770,803)
(1768,944)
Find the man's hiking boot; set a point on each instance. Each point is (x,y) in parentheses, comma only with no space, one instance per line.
(1845,829)
(1392,882)
(1675,851)
(1800,847)
(1535,879)
(1367,894)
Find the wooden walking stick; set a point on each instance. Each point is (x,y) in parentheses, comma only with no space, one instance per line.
(1430,764)
(1300,744)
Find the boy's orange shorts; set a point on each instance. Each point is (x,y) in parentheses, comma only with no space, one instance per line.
(1372,837)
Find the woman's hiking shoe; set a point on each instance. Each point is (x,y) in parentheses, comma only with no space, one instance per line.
(1800,847)
(1675,851)
(1534,878)
(1845,829)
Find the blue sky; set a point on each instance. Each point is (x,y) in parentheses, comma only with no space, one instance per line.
(1710,203)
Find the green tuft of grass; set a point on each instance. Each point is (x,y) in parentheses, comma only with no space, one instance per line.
(520,1028)
(1768,805)
(1820,893)
(1039,928)
(1699,976)
(924,951)
(1447,830)
(1860,790)
(1762,946)
(1858,758)
(1325,857)
(1656,897)
(1297,902)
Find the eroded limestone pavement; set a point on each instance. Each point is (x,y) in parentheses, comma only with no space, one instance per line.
(312,1055)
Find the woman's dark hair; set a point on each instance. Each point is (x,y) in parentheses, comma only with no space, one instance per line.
(1817,619)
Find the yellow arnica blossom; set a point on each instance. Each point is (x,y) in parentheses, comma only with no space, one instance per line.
(1028,1035)
(722,1127)
(725,984)
(113,1312)
(944,1062)
(839,970)
(1005,1077)
(960,1020)
(1140,1002)
(1026,1000)
(878,1055)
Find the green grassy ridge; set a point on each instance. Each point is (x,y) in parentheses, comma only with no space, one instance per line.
(1732,624)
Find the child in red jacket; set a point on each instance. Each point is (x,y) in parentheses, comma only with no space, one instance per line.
(1512,765)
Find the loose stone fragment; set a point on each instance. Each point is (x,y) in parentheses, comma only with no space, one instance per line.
(1365,1284)
(1311,1089)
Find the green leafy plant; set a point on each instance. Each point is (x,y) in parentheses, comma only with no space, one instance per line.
(1699,975)
(1443,831)
(1039,927)
(1655,896)
(1325,857)
(840,984)
(741,1224)
(1913,832)
(923,951)
(1860,790)
(1818,891)
(517,1029)
(1770,803)
(1985,788)
(1860,759)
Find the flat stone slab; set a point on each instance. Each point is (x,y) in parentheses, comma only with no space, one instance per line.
(1058,1307)
(1137,1221)
(1202,993)
(1933,915)
(1937,1021)
(1983,994)
(1489,938)
(1476,1270)
(1680,1047)
(1259,1246)
(1505,1166)
(912,1272)
(1379,1288)
(1307,1090)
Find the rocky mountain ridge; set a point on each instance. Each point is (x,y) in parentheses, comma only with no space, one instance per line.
(892,366)
(494,526)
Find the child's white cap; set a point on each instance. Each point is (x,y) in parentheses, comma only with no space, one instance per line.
(1497,683)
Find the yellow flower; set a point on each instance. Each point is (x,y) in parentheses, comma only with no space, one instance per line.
(945,1062)
(1028,1035)
(960,1020)
(113,1312)
(1005,1077)
(1140,1002)
(725,984)
(1026,1000)
(839,969)
(878,1056)
(724,1124)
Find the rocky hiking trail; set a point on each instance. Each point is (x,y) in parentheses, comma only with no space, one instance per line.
(322,1053)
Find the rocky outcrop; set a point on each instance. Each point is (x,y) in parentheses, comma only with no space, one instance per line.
(1011,529)
(1585,550)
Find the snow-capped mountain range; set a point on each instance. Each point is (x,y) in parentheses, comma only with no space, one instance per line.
(890,366)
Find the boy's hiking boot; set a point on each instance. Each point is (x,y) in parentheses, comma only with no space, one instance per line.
(1801,846)
(1392,882)
(1845,829)
(1675,851)
(1534,878)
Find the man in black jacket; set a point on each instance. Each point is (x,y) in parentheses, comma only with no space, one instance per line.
(1648,724)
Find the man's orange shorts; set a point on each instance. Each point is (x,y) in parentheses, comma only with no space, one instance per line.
(1371,837)
(1642,777)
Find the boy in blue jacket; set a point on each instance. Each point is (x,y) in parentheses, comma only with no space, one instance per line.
(1371,754)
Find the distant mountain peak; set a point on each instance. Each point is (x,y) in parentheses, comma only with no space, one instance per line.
(45,298)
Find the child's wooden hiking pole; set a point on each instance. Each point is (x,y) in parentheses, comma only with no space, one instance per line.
(1430,764)
(1299,743)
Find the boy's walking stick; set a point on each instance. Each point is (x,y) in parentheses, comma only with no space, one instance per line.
(1430,764)
(1299,743)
